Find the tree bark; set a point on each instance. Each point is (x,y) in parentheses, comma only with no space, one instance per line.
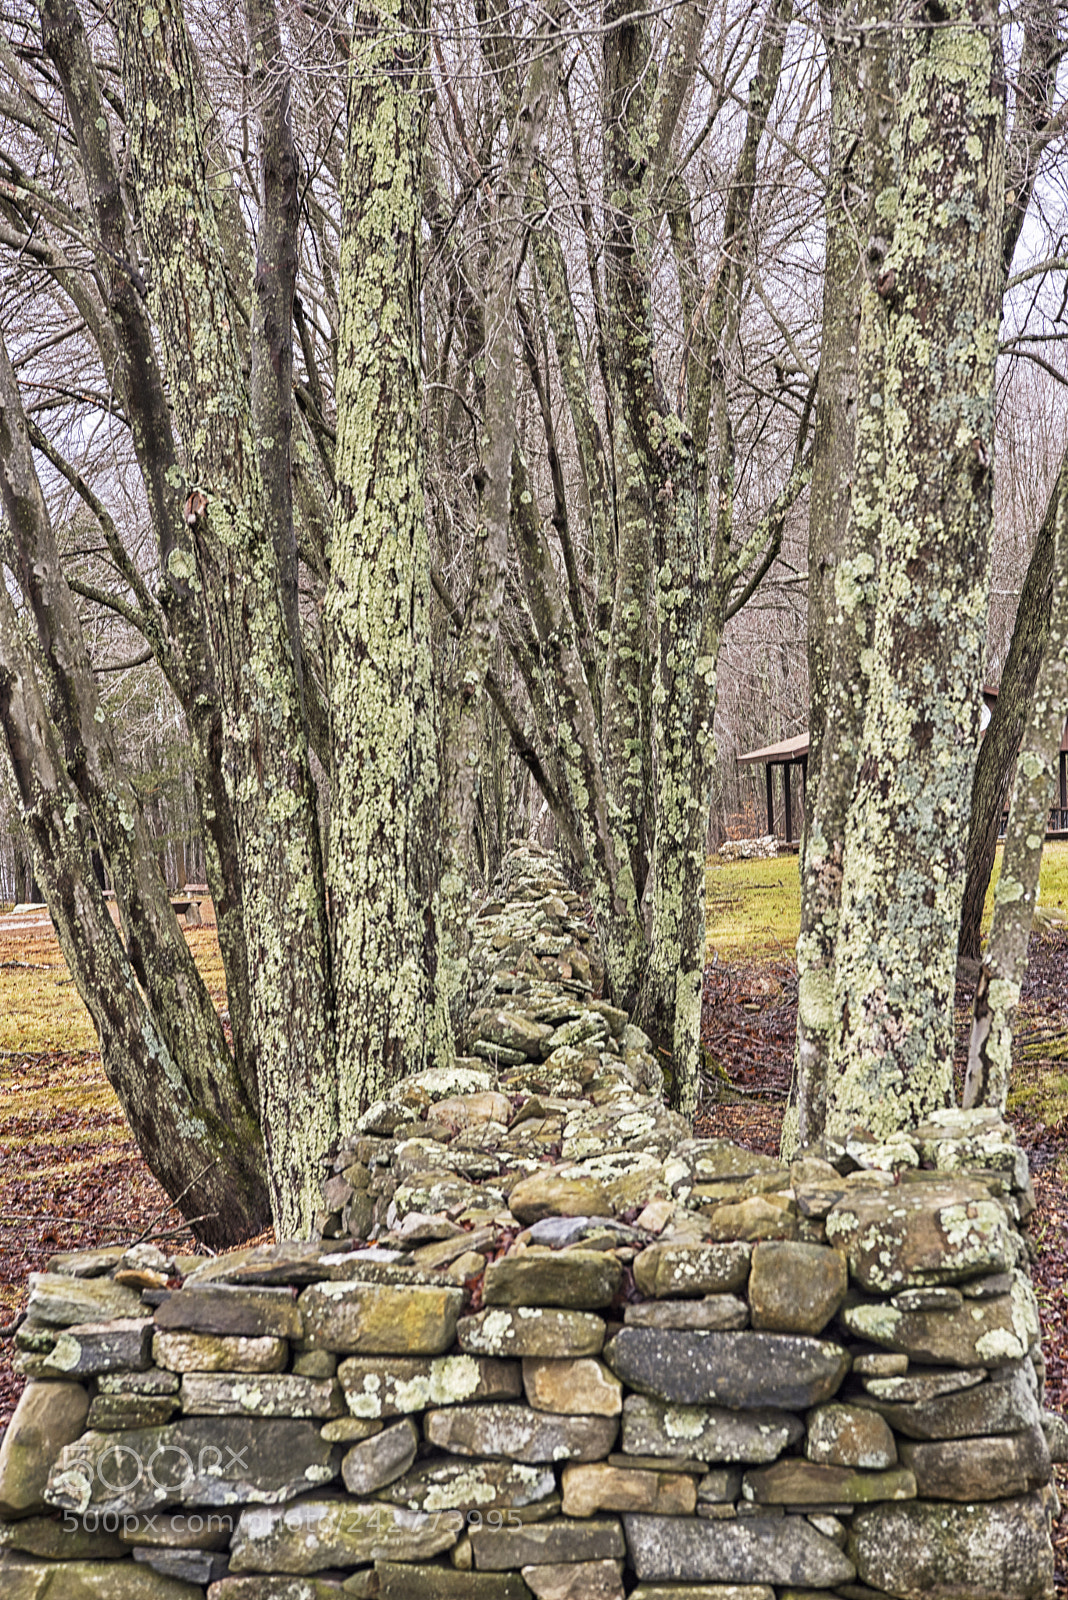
(997,992)
(386,782)
(1036,83)
(176,998)
(843,535)
(264,754)
(907,828)
(1001,742)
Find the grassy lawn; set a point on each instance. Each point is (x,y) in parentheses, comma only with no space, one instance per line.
(754,907)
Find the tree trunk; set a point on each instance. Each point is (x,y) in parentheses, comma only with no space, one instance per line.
(843,533)
(264,754)
(214,1164)
(907,827)
(386,783)
(997,992)
(1001,742)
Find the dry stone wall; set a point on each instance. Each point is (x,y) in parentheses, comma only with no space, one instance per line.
(550,1345)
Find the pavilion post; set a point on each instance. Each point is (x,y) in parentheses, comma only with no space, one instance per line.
(788,798)
(771,797)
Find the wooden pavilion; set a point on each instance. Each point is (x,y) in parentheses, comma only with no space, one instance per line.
(791,753)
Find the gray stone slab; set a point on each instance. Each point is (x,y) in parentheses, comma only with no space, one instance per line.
(707,1433)
(740,1370)
(313,1534)
(781,1550)
(519,1433)
(937,1550)
(199,1461)
(562,1539)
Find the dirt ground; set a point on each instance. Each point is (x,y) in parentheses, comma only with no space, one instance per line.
(71,1177)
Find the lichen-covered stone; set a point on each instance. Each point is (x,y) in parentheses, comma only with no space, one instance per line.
(61,1301)
(519,1433)
(783,1550)
(711,1159)
(509,1030)
(911,1384)
(115,1411)
(381,1319)
(772,1216)
(598,1486)
(925,1233)
(795,1288)
(1004,1405)
(377,1461)
(667,1270)
(395,1580)
(84,1350)
(703,1591)
(216,1461)
(413,1383)
(474,1110)
(531,1331)
(48,1417)
(849,1436)
(274,1587)
(582,1387)
(312,1534)
(805,1483)
(982,1333)
(733,1369)
(47,1538)
(239,1394)
(583,1280)
(938,1550)
(457,1485)
(708,1433)
(208,1352)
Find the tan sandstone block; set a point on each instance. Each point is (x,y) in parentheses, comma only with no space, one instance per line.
(578,1387)
(600,1487)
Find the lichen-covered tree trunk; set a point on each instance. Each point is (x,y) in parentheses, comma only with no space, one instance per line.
(209,1154)
(997,992)
(386,782)
(907,827)
(264,756)
(178,634)
(843,535)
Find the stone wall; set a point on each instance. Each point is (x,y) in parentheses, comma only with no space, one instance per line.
(551,1345)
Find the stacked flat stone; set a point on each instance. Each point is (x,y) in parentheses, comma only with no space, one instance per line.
(565,1351)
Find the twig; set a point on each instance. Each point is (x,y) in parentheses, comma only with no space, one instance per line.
(177,1199)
